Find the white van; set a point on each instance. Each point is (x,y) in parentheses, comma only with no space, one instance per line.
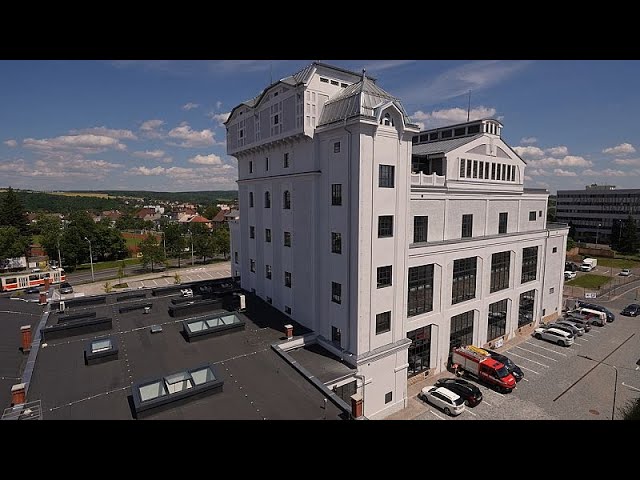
(596,317)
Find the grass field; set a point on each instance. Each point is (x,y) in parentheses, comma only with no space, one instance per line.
(617,262)
(588,281)
(132,242)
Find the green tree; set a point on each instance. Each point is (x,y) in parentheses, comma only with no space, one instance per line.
(204,244)
(50,227)
(175,241)
(571,243)
(222,241)
(13,214)
(211,211)
(572,230)
(74,247)
(109,244)
(129,222)
(152,251)
(12,244)
(629,236)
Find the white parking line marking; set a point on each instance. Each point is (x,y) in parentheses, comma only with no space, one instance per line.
(469,411)
(525,378)
(484,401)
(536,353)
(500,394)
(583,339)
(547,349)
(631,387)
(576,343)
(529,370)
(529,360)
(441,418)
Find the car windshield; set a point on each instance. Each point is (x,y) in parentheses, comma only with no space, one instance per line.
(503,372)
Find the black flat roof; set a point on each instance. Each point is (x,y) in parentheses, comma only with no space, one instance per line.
(320,362)
(258,383)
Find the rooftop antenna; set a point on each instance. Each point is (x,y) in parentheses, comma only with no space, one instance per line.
(469,106)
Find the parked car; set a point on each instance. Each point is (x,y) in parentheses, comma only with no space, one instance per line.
(450,402)
(610,316)
(471,394)
(65,287)
(32,290)
(554,335)
(568,275)
(571,267)
(564,328)
(186,292)
(625,272)
(579,319)
(514,369)
(632,310)
(576,329)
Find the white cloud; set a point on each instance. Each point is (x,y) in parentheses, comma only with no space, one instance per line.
(605,173)
(528,140)
(219,117)
(457,81)
(538,172)
(558,172)
(149,154)
(450,116)
(191,138)
(557,151)
(210,159)
(107,132)
(11,143)
(218,105)
(190,106)
(212,175)
(60,166)
(567,161)
(147,171)
(528,178)
(622,149)
(85,143)
(150,128)
(627,161)
(380,65)
(529,152)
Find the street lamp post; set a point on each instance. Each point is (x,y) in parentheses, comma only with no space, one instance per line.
(93,278)
(597,232)
(191,235)
(615,386)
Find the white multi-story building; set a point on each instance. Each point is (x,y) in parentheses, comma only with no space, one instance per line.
(393,245)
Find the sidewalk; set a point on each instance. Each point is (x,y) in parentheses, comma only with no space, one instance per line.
(151,280)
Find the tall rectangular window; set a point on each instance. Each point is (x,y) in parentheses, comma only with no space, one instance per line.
(529,264)
(336,194)
(463,286)
(250,199)
(383,322)
(252,231)
(532,216)
(500,263)
(267,269)
(285,160)
(513,173)
(525,310)
(250,166)
(502,222)
(481,169)
(504,170)
(475,169)
(384,276)
(336,147)
(461,330)
(267,235)
(467,226)
(486,170)
(336,292)
(462,168)
(287,279)
(336,242)
(419,355)
(235,257)
(287,239)
(386,176)
(420,225)
(420,290)
(493,171)
(252,265)
(385,226)
(266,164)
(497,320)
(469,162)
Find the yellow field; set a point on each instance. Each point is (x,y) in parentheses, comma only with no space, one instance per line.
(82,194)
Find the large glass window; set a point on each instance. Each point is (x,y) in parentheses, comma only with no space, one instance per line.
(287,239)
(336,242)
(461,330)
(500,263)
(420,295)
(267,235)
(497,320)
(420,350)
(384,276)
(386,179)
(420,225)
(467,226)
(336,292)
(529,264)
(464,280)
(383,322)
(525,310)
(287,279)
(286,200)
(385,226)
(502,222)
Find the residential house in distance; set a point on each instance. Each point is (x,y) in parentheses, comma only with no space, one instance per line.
(392,245)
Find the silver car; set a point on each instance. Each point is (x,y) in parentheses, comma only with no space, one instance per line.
(554,335)
(575,328)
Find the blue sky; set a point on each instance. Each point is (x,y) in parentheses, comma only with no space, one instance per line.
(157,125)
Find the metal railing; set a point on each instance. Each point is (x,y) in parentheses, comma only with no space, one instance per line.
(23,411)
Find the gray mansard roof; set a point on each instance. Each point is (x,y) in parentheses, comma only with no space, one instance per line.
(361,98)
(442,146)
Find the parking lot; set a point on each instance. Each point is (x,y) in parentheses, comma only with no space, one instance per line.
(560,383)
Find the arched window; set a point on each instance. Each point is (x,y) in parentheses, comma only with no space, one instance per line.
(387,120)
(267,200)
(286,200)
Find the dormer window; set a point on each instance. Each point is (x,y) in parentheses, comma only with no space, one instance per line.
(387,120)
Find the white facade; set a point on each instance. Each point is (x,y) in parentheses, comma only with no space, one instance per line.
(325,127)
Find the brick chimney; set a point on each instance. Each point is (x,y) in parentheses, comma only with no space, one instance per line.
(289,328)
(18,394)
(356,405)
(25,333)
